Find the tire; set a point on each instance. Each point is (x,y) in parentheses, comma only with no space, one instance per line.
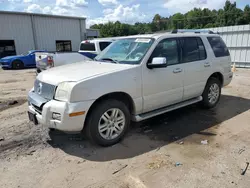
(17,64)
(213,88)
(99,125)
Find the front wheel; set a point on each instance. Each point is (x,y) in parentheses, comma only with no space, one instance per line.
(212,92)
(17,64)
(108,122)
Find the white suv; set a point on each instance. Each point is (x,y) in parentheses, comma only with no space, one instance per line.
(135,78)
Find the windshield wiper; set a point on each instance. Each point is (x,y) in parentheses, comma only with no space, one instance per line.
(109,59)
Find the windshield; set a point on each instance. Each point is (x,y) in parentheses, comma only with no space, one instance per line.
(126,51)
(27,53)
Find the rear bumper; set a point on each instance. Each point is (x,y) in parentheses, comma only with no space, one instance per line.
(44,111)
(227,78)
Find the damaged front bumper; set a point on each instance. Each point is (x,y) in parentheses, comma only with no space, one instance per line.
(56,114)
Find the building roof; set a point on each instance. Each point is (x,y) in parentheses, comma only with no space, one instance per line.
(45,15)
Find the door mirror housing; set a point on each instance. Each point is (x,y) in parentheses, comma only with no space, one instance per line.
(158,62)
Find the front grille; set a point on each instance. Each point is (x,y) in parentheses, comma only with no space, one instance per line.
(45,90)
(37,109)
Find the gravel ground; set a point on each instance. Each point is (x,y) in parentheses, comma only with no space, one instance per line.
(165,151)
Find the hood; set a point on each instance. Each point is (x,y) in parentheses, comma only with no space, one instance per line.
(79,71)
(12,57)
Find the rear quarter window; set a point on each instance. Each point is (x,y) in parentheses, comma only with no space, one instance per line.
(88,47)
(104,45)
(219,47)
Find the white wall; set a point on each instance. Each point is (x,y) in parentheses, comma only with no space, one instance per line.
(237,39)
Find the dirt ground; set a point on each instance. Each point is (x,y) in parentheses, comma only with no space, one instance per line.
(165,151)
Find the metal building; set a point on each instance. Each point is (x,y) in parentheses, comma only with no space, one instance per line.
(93,33)
(21,32)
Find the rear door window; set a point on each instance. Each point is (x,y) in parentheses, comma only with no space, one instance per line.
(192,49)
(219,47)
(88,47)
(104,45)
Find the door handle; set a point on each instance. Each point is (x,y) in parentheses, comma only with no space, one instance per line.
(206,64)
(177,70)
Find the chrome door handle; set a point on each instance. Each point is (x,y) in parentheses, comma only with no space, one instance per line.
(206,64)
(177,70)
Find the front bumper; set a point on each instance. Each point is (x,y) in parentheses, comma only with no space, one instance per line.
(44,109)
(5,64)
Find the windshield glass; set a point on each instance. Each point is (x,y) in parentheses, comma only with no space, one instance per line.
(27,53)
(126,51)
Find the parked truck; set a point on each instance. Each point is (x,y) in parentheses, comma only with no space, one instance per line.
(88,50)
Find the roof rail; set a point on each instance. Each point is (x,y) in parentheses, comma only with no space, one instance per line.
(192,31)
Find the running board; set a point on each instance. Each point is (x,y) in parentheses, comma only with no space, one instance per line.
(163,110)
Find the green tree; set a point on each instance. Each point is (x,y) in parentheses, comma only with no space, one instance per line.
(178,21)
(194,19)
(246,15)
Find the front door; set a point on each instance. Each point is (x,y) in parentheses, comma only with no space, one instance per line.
(30,60)
(163,86)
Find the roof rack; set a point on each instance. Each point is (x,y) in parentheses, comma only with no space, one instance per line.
(191,31)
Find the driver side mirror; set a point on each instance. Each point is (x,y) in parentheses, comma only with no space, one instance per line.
(158,62)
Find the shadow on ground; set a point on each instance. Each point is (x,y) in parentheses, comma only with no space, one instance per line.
(155,132)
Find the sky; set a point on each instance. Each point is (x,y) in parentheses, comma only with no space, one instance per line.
(102,11)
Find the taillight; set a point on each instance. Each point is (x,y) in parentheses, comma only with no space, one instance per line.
(50,61)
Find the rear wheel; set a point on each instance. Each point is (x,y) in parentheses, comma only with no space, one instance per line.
(17,64)
(211,93)
(108,122)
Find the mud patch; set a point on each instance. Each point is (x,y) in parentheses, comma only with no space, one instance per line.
(10,81)
(26,143)
(4,105)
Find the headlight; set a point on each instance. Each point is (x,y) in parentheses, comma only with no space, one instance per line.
(4,60)
(63,91)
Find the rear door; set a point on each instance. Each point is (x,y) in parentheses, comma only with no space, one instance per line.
(196,65)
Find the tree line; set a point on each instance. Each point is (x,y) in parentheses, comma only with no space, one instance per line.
(194,19)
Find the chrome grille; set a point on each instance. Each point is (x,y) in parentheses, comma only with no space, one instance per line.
(45,90)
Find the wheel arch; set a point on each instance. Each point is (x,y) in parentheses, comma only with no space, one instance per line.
(17,60)
(219,76)
(120,96)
